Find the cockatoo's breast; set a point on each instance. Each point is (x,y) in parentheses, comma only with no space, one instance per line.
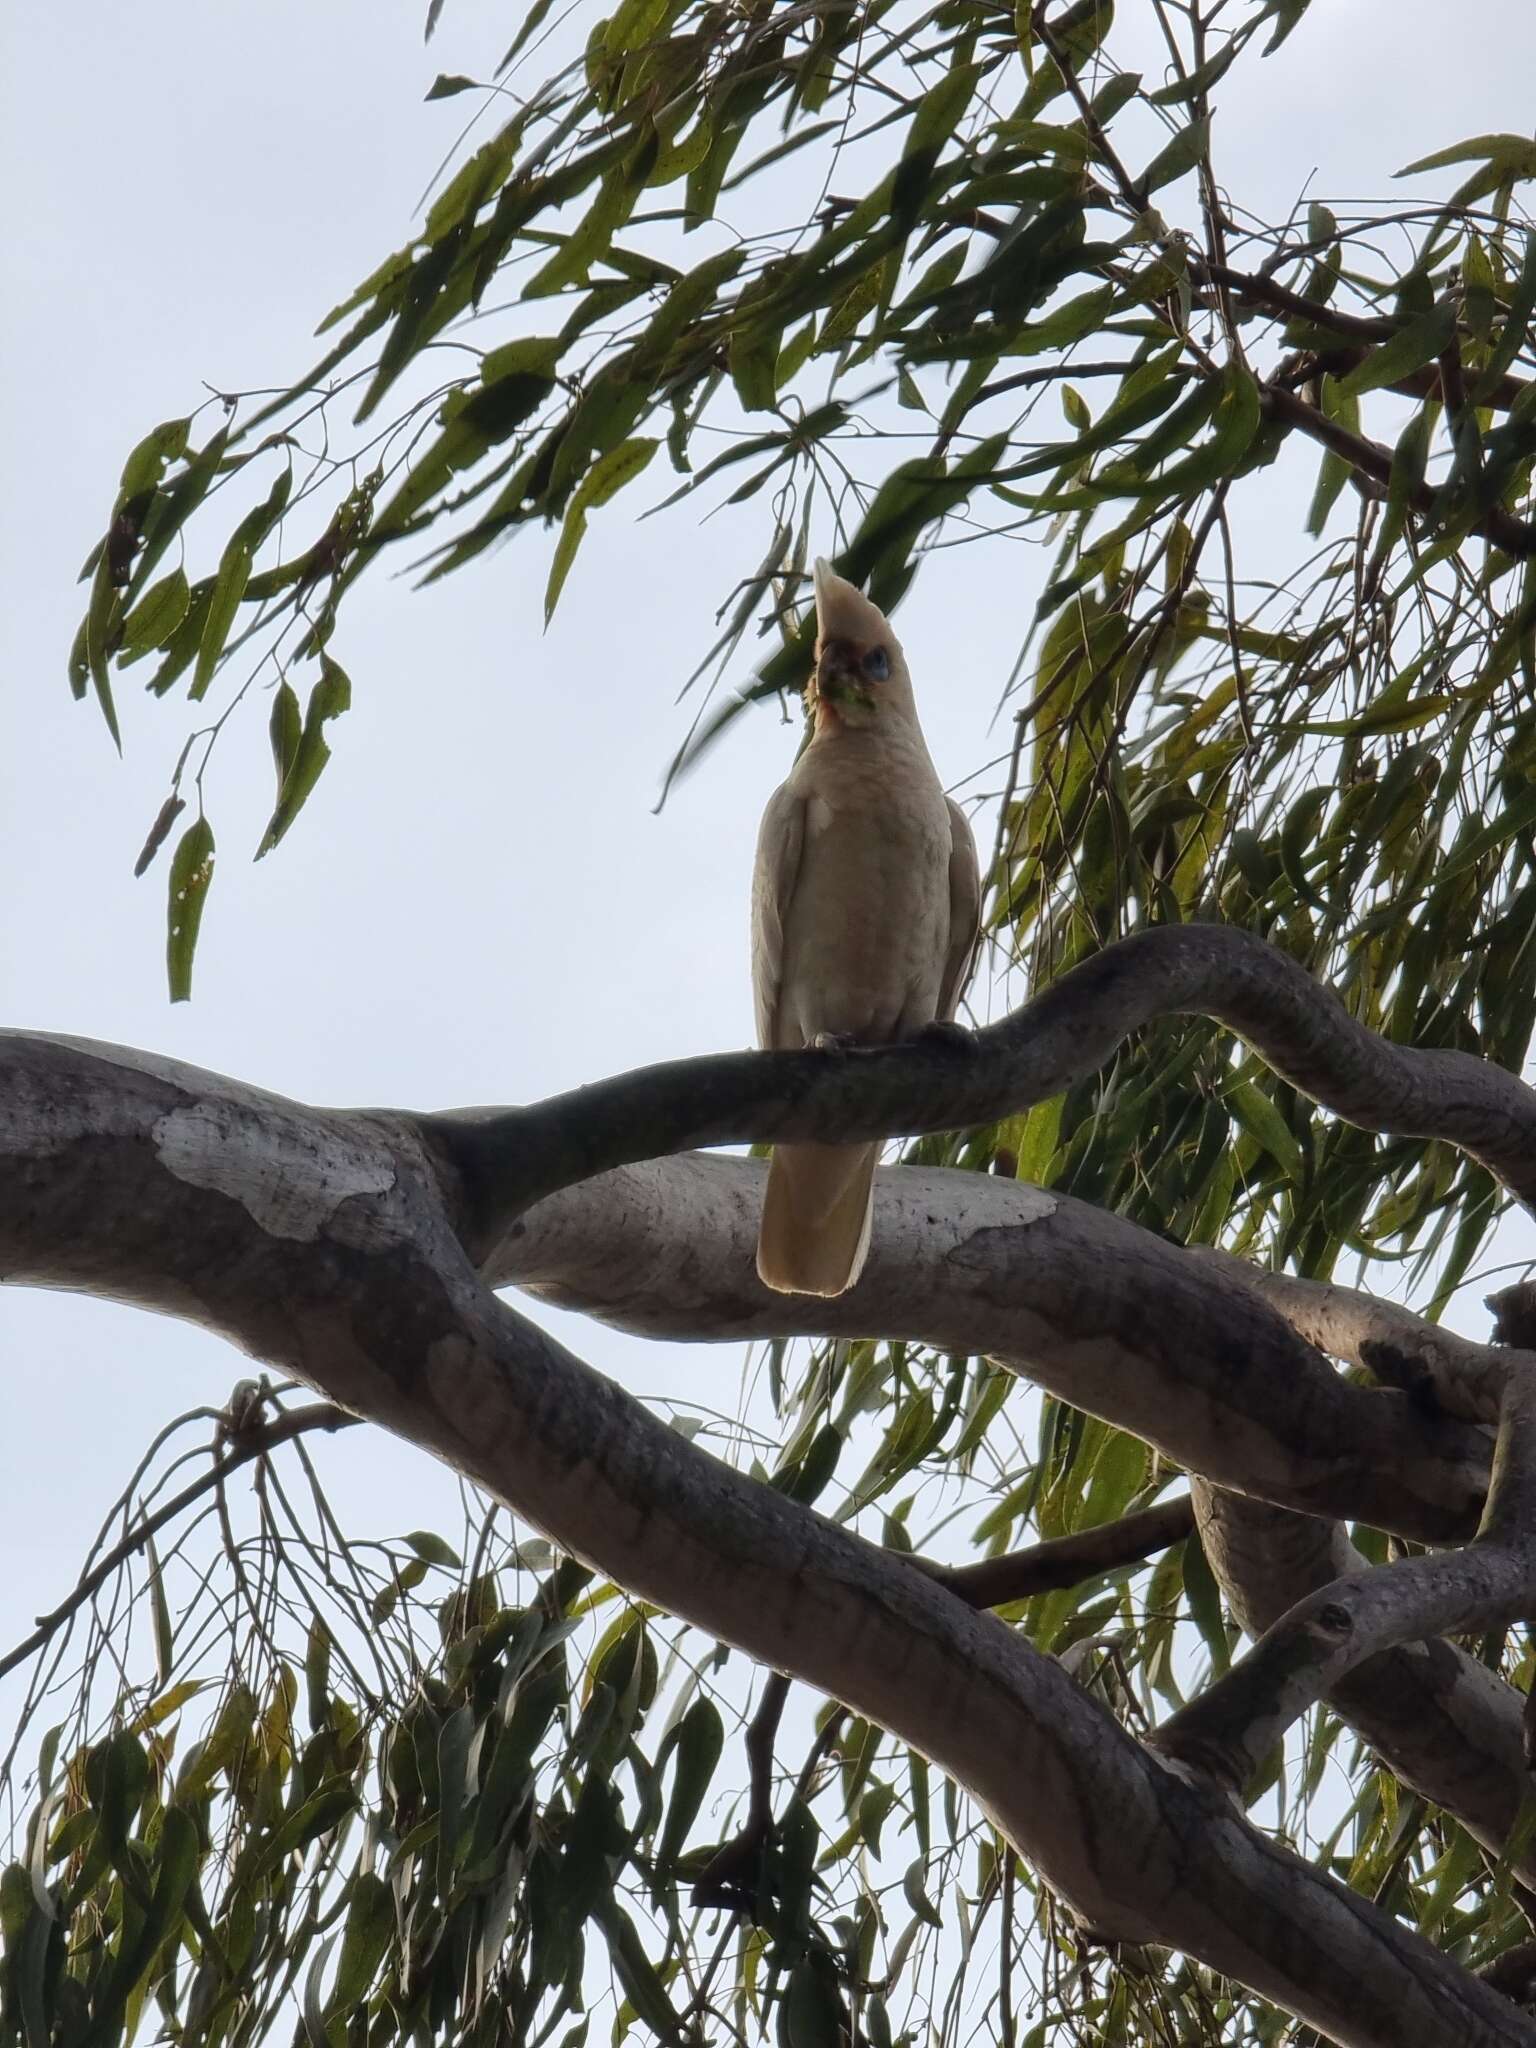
(867,934)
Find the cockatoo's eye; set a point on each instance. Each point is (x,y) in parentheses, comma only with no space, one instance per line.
(877,664)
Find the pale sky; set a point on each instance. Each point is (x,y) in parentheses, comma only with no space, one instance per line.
(477,905)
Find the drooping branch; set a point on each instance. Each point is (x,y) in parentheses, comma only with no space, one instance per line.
(320,1243)
(257,1440)
(507,1159)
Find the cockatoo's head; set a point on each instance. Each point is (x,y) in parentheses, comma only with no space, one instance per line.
(860,676)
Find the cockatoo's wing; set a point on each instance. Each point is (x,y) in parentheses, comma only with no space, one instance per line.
(780,843)
(964,911)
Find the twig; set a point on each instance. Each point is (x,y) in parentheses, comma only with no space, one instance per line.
(1066,1560)
(255,1444)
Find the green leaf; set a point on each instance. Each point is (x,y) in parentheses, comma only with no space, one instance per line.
(606,477)
(1516,151)
(317,1673)
(700,1739)
(1259,1117)
(533,20)
(916,1896)
(938,114)
(99,634)
(515,380)
(165,818)
(634,21)
(191,872)
(638,1975)
(1183,90)
(1512,335)
(284,729)
(228,589)
(156,615)
(160,1610)
(1285,14)
(447,83)
(454,1741)
(813,2011)
(300,757)
(176,1863)
(181,648)
(1420,342)
(173,505)
(1180,156)
(589,240)
(753,353)
(1205,1603)
(317,1816)
(1335,471)
(146,465)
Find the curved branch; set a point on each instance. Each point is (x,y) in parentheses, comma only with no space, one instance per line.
(1441,1721)
(506,1159)
(1439,1368)
(320,1243)
(665,1250)
(1236,1721)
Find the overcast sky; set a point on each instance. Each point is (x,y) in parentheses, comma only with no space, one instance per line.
(478,905)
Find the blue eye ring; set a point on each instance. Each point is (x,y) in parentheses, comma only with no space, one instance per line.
(877,664)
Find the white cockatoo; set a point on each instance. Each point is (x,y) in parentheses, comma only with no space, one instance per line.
(866,907)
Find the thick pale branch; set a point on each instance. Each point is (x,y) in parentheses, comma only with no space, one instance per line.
(320,1244)
(1098,1311)
(506,1159)
(1403,1350)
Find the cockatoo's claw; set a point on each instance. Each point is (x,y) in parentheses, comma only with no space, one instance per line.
(836,1041)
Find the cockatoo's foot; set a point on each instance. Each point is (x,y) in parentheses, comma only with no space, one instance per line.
(837,1041)
(947,1036)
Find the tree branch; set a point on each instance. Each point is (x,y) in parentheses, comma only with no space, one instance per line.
(1093,1308)
(665,1249)
(1440,1369)
(1229,1729)
(253,1441)
(1066,1560)
(506,1159)
(1516,537)
(1445,1724)
(1276,298)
